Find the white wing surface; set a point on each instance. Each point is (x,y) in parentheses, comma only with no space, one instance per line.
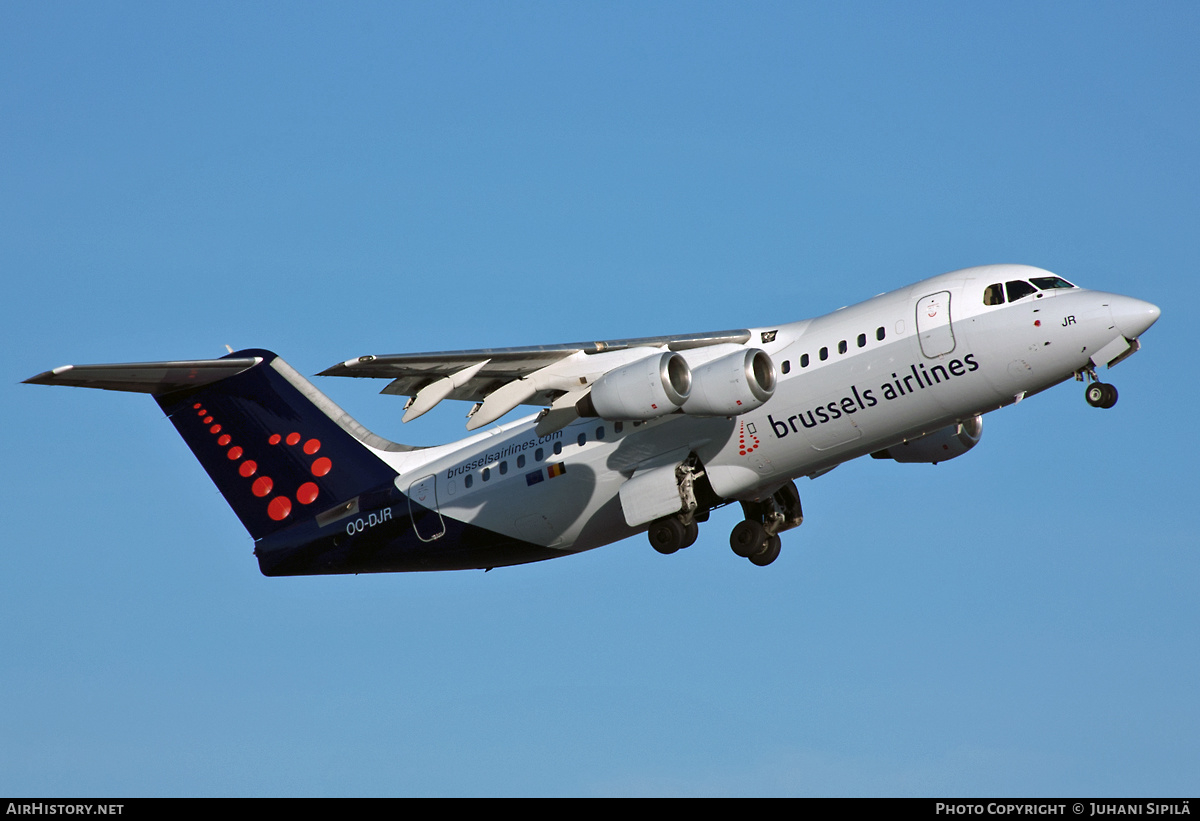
(557,376)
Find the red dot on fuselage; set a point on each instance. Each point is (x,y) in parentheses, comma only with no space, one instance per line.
(248,468)
(275,439)
(215,429)
(262,486)
(306,494)
(321,466)
(224,440)
(293,438)
(312,446)
(234,452)
(279,508)
(196,406)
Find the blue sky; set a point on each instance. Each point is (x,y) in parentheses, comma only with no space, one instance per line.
(329,180)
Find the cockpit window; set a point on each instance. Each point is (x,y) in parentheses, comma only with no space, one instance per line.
(1049,283)
(993,294)
(1018,288)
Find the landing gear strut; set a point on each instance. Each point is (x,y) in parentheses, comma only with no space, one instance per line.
(1098,394)
(757,537)
(679,530)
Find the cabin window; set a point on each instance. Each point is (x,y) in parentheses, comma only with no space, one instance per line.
(468,480)
(1018,288)
(993,295)
(824,354)
(862,340)
(557,448)
(504,467)
(842,346)
(487,474)
(618,427)
(520,461)
(803,360)
(786,367)
(539,454)
(599,433)
(879,333)
(582,440)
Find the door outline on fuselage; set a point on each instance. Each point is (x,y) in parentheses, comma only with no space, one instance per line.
(935,331)
(424,492)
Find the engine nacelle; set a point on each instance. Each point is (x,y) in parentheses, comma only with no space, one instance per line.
(732,384)
(650,387)
(938,446)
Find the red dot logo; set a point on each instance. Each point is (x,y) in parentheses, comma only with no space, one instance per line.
(743,447)
(306,494)
(248,468)
(321,466)
(312,446)
(279,508)
(293,438)
(262,486)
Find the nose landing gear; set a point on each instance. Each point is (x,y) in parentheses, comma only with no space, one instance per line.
(1101,395)
(1098,394)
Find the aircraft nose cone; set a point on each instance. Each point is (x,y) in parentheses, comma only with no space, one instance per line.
(1133,316)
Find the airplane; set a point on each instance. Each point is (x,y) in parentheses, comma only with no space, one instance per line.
(633,435)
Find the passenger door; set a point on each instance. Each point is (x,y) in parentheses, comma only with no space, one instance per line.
(933,324)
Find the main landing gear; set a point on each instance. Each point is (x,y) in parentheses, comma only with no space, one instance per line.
(669,534)
(673,533)
(755,538)
(1098,394)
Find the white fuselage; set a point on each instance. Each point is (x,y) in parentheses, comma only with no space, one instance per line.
(852,382)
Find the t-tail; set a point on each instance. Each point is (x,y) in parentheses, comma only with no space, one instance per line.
(286,458)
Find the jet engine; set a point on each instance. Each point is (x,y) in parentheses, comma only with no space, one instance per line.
(951,441)
(647,388)
(732,384)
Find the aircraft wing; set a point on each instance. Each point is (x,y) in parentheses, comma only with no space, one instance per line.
(503,378)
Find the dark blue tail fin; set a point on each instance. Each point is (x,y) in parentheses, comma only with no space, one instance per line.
(277,449)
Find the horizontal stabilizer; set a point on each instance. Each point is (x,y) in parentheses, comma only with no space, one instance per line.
(146,377)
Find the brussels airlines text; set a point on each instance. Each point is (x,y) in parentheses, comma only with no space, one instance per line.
(917,378)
